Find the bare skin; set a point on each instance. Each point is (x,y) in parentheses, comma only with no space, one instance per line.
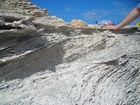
(134,13)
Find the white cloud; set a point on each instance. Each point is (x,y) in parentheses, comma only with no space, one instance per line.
(68,8)
(120,8)
(96,14)
(90,15)
(122,11)
(117,4)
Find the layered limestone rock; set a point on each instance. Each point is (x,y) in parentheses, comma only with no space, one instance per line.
(46,61)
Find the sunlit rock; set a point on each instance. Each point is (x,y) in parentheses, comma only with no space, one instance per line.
(46,61)
(78,23)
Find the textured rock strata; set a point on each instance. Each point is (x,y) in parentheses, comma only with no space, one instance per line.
(46,61)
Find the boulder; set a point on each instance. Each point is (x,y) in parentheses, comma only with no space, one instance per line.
(78,23)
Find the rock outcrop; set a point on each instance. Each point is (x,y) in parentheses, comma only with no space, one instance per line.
(46,61)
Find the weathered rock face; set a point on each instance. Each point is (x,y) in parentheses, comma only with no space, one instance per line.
(24,7)
(46,61)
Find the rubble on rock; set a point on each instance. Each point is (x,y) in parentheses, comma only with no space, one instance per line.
(46,61)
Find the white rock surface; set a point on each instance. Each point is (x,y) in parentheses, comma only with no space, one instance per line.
(46,61)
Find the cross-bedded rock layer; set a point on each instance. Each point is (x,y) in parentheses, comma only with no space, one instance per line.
(46,61)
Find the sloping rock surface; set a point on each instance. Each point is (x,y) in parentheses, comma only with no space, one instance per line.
(46,61)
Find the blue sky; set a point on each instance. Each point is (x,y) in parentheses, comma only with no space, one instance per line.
(89,10)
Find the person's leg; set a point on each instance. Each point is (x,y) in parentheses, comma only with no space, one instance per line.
(135,13)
